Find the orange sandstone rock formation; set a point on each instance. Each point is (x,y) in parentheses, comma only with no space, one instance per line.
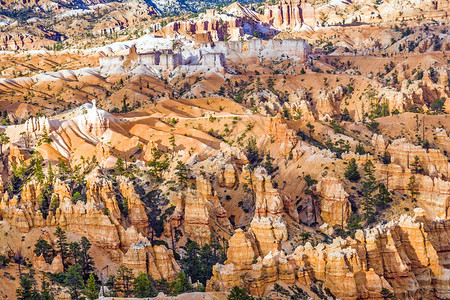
(334,204)
(406,257)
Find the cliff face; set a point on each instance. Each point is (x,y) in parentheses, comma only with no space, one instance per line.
(431,174)
(290,15)
(212,23)
(334,204)
(157,261)
(99,219)
(404,256)
(199,211)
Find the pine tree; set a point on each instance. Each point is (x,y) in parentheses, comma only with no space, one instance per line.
(4,139)
(26,291)
(75,253)
(44,202)
(143,286)
(74,281)
(368,191)
(383,198)
(163,286)
(50,174)
(310,129)
(125,106)
(38,171)
(63,169)
(413,188)
(180,285)
(77,197)
(268,164)
(120,166)
(191,261)
(351,171)
(45,290)
(237,293)
(42,247)
(86,261)
(54,204)
(360,149)
(385,158)
(92,288)
(123,280)
(125,207)
(208,261)
(172,141)
(156,166)
(182,172)
(62,247)
(45,137)
(345,115)
(416,166)
(386,294)
(251,151)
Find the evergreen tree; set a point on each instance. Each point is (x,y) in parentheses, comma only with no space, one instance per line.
(143,286)
(163,286)
(191,261)
(413,188)
(368,191)
(208,261)
(42,247)
(172,141)
(182,172)
(416,166)
(50,174)
(77,197)
(91,288)
(44,202)
(385,158)
(123,280)
(63,169)
(45,290)
(386,294)
(38,171)
(120,166)
(125,207)
(86,262)
(198,262)
(383,198)
(125,106)
(360,149)
(239,294)
(268,164)
(351,171)
(157,165)
(74,248)
(62,247)
(26,291)
(345,115)
(4,139)
(310,129)
(45,137)
(54,204)
(74,281)
(4,261)
(180,285)
(251,151)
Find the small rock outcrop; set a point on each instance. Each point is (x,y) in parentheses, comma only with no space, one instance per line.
(334,205)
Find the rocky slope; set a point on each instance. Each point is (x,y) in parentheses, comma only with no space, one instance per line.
(241,129)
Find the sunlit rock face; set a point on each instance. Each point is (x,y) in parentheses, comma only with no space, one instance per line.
(407,257)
